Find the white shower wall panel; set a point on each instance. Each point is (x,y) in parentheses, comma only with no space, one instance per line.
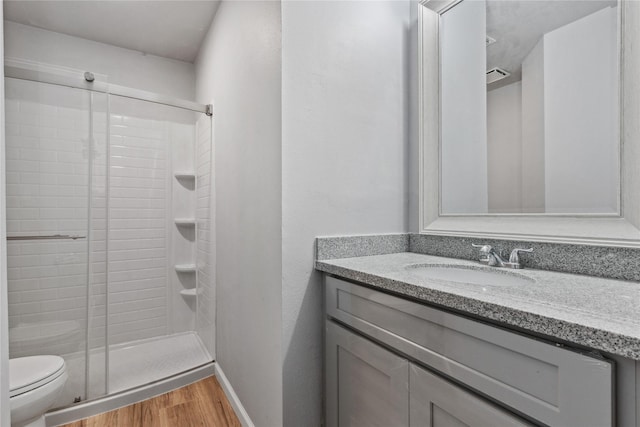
(141,302)
(182,307)
(138,221)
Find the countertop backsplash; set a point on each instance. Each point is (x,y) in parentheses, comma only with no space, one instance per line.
(598,261)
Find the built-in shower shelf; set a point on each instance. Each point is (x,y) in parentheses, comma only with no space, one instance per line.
(185,222)
(185,175)
(189,292)
(186,268)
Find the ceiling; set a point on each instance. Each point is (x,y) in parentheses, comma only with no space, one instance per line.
(173,29)
(517,25)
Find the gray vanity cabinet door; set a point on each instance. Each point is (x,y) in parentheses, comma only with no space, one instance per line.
(436,402)
(367,386)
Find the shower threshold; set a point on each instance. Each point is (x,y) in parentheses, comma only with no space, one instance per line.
(133,364)
(114,401)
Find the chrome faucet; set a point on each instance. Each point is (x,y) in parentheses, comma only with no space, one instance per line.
(493,259)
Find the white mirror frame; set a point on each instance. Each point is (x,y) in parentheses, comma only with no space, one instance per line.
(622,230)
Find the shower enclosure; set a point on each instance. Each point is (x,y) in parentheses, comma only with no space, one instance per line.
(108,229)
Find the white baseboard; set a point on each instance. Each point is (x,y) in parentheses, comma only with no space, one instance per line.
(242,414)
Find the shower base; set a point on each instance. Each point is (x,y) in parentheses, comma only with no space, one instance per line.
(132,364)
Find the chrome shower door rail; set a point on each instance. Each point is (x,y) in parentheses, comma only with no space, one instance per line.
(26,70)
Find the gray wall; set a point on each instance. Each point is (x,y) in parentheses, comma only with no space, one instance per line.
(504,148)
(239,70)
(339,167)
(344,159)
(581,127)
(533,130)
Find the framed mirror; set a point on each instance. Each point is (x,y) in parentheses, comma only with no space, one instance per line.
(528,120)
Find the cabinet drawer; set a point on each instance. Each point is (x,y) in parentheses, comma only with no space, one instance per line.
(556,386)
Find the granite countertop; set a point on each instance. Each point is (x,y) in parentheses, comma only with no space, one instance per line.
(602,314)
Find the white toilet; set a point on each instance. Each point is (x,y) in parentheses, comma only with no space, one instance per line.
(35,382)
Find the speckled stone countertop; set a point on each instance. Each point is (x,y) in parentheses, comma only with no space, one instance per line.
(602,314)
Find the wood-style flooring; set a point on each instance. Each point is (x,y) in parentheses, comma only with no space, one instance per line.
(199,404)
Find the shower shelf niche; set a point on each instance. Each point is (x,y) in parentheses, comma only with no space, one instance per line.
(189,292)
(185,176)
(185,222)
(185,268)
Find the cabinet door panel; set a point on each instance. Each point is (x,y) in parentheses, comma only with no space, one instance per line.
(367,386)
(436,402)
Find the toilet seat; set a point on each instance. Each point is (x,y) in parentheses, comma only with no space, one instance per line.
(30,373)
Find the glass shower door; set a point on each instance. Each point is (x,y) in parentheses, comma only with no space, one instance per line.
(109,236)
(52,221)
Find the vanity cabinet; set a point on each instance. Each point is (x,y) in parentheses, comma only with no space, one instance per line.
(499,372)
(368,385)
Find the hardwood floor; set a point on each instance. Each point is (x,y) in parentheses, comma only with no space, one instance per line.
(199,404)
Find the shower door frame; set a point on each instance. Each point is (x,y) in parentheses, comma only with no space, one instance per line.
(73,78)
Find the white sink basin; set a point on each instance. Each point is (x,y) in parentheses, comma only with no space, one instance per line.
(472,275)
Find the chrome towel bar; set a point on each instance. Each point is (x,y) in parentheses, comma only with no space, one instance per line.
(47,237)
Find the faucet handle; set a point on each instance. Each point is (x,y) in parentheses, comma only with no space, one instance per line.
(514,258)
(485,249)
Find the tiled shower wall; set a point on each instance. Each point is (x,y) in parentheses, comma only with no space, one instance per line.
(138,228)
(48,175)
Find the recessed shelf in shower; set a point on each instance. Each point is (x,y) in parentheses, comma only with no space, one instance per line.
(185,268)
(185,222)
(185,175)
(189,292)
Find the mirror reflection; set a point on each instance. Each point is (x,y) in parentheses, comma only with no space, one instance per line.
(530,107)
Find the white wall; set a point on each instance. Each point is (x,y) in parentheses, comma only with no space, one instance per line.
(123,66)
(239,69)
(4,315)
(504,148)
(344,159)
(464,100)
(533,181)
(581,111)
